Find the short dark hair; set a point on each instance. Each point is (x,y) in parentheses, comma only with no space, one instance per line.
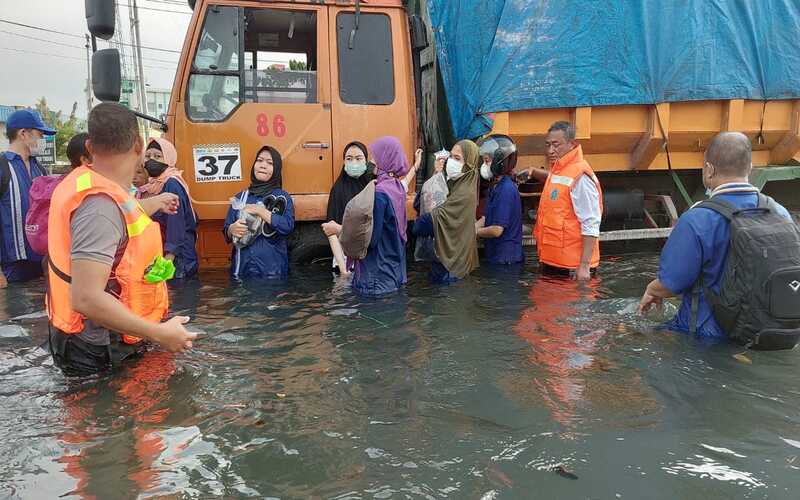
(77,148)
(731,153)
(566,127)
(11,134)
(112,128)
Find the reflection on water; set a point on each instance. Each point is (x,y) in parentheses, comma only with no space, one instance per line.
(506,385)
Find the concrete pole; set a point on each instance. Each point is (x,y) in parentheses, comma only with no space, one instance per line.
(138,43)
(88,76)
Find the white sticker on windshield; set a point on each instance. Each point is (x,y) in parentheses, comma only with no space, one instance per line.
(217,163)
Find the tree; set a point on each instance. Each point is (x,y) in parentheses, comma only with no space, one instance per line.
(64,129)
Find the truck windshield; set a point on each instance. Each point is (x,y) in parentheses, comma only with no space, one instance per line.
(214,83)
(276,60)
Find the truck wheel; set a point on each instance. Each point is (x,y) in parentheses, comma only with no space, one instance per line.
(307,243)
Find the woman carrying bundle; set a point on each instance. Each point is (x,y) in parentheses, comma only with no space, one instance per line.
(259,221)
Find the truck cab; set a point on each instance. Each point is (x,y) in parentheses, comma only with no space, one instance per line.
(306,77)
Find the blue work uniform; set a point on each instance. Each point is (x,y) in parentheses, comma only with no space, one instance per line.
(699,243)
(179,231)
(383,270)
(423,228)
(504,209)
(19,261)
(267,256)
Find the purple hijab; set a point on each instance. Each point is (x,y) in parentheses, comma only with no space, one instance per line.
(388,155)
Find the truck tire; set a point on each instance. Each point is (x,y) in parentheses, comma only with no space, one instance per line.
(307,243)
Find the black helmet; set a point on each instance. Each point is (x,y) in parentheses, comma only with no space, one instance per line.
(503,152)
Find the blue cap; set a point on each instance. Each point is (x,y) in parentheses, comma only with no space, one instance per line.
(28,118)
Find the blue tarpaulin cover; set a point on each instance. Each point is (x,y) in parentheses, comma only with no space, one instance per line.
(505,55)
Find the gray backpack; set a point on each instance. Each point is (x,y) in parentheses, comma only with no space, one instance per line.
(759,300)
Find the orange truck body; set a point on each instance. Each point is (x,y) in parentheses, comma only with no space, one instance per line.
(308,172)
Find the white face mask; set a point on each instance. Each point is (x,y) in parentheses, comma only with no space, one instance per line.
(454,168)
(38,147)
(486,172)
(355,169)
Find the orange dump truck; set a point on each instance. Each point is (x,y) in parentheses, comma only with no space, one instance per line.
(309,76)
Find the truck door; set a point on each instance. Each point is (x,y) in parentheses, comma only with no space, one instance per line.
(256,76)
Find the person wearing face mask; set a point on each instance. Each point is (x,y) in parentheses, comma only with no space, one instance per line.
(383,268)
(18,167)
(452,224)
(178,230)
(356,174)
(501,226)
(698,247)
(265,255)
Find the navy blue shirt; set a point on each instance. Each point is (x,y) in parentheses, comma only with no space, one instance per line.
(699,243)
(179,231)
(504,209)
(13,209)
(383,270)
(423,228)
(266,256)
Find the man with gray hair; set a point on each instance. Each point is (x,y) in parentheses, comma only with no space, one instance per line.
(567,228)
(697,250)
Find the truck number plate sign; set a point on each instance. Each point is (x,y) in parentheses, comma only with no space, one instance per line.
(217,163)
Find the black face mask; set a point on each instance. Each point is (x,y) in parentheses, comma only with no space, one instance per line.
(154,167)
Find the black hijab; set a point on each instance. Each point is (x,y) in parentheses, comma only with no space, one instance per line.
(346,187)
(261,188)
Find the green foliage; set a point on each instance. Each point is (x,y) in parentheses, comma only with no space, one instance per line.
(65,129)
(297,65)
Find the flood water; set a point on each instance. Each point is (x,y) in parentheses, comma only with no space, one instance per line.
(506,385)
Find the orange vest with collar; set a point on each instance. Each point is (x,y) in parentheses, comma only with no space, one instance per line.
(559,242)
(146,300)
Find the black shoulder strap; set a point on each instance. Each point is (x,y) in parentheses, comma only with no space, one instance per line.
(723,208)
(5,175)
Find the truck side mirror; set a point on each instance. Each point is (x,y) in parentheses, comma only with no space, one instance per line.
(106,75)
(100,18)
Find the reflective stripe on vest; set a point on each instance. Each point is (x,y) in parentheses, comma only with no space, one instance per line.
(146,300)
(559,242)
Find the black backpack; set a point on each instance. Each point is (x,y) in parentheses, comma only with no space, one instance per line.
(5,175)
(759,300)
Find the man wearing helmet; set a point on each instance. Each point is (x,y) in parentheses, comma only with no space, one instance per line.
(501,227)
(567,228)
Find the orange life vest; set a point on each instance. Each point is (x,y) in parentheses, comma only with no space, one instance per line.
(558,231)
(148,301)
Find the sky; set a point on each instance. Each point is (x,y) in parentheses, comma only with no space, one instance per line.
(57,71)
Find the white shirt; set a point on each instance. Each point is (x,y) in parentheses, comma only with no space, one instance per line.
(586,204)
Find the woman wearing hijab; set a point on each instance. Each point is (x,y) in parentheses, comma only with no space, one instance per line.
(383,270)
(266,255)
(178,230)
(355,175)
(452,224)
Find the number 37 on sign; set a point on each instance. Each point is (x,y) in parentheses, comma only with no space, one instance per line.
(217,163)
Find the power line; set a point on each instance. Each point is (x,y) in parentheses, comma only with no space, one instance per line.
(40,28)
(60,56)
(156,9)
(150,59)
(76,36)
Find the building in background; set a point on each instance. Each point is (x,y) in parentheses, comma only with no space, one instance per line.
(5,112)
(157,99)
(158,102)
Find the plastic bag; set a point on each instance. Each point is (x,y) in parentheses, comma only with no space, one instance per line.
(254,223)
(433,193)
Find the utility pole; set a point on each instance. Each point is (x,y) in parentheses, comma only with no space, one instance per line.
(88,75)
(138,43)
